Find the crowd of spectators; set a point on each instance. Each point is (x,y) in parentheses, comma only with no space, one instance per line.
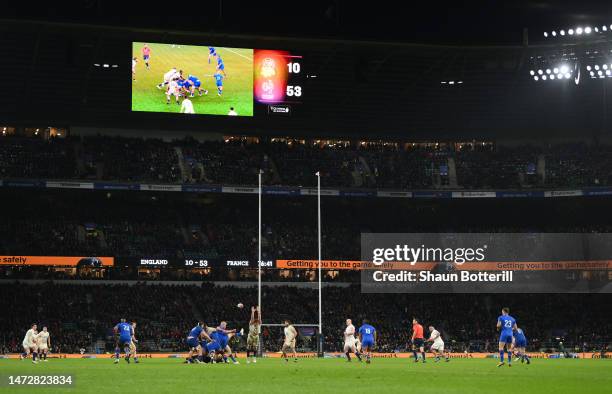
(382,165)
(82,316)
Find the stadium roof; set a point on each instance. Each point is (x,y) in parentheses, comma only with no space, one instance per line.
(443,22)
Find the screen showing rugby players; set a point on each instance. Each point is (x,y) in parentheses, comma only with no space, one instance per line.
(192,79)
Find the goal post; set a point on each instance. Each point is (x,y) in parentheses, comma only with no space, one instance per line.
(317,337)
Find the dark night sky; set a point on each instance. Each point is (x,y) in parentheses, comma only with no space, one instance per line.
(447,22)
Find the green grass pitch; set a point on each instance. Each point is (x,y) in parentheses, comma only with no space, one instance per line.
(322,376)
(237,86)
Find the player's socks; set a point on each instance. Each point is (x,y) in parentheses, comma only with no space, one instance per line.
(348,356)
(232,358)
(45,356)
(358,355)
(416,357)
(437,358)
(423,355)
(501,356)
(509,358)
(219,91)
(136,360)
(34,354)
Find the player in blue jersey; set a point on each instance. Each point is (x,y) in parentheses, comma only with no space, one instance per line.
(124,332)
(367,337)
(212,52)
(220,66)
(219,82)
(194,83)
(195,336)
(506,324)
(519,344)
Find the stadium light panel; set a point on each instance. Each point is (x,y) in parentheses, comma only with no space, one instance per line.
(604,28)
(592,73)
(579,30)
(564,68)
(548,71)
(556,70)
(554,33)
(588,68)
(605,66)
(567,75)
(596,29)
(562,32)
(535,78)
(543,77)
(587,30)
(540,72)
(545,34)
(597,67)
(552,76)
(532,72)
(600,73)
(570,32)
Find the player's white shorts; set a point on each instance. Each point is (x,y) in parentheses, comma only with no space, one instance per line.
(43,347)
(438,346)
(174,92)
(349,344)
(30,345)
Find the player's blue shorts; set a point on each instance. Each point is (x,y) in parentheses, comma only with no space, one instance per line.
(213,346)
(197,83)
(145,57)
(125,341)
(211,50)
(192,342)
(220,66)
(219,83)
(505,338)
(520,344)
(367,343)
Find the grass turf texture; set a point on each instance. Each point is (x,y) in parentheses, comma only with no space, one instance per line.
(237,87)
(322,376)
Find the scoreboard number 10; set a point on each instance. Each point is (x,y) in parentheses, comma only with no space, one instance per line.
(294,68)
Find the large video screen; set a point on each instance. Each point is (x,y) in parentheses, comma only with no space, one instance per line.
(192,79)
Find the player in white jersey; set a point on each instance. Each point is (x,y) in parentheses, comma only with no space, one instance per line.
(437,346)
(187,106)
(289,343)
(133,343)
(254,330)
(171,75)
(29,343)
(349,341)
(43,341)
(173,90)
(134,61)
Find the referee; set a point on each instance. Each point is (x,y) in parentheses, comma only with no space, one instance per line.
(418,340)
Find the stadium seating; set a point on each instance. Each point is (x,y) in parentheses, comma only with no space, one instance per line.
(380,165)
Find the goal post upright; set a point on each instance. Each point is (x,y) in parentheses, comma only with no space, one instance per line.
(320,341)
(260,344)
